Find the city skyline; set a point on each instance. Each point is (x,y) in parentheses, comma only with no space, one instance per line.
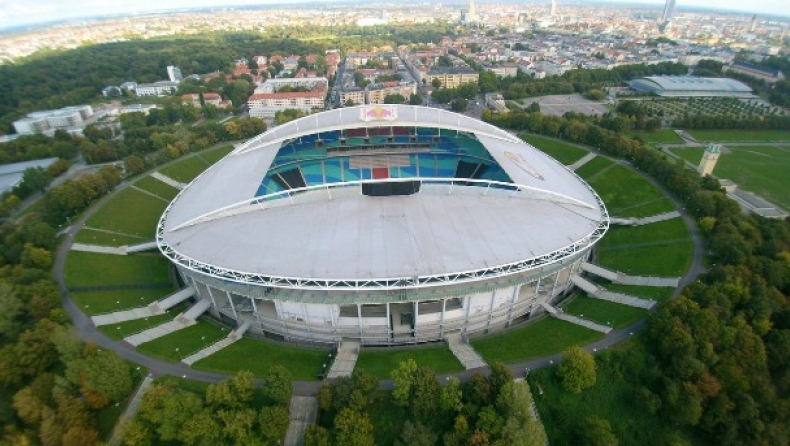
(20,13)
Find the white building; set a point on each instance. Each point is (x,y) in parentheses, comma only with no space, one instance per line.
(50,120)
(160,88)
(174,73)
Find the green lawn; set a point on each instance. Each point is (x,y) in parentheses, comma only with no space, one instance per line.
(380,362)
(663,259)
(760,169)
(667,230)
(91,237)
(740,135)
(544,337)
(91,269)
(645,209)
(104,301)
(119,331)
(665,136)
(185,170)
(559,150)
(622,189)
(258,356)
(597,164)
(151,184)
(130,212)
(214,155)
(187,340)
(659,294)
(603,312)
(621,373)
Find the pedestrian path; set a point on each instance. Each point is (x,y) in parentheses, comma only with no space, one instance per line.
(597,292)
(147,246)
(181,321)
(625,279)
(464,352)
(173,299)
(632,221)
(585,159)
(234,336)
(153,309)
(98,249)
(345,360)
(167,180)
(575,319)
(303,411)
(131,409)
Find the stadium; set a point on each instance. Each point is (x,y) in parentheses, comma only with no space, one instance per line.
(387,225)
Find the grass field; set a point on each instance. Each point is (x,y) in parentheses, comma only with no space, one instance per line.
(603,312)
(659,294)
(596,165)
(664,259)
(130,212)
(667,230)
(187,340)
(185,170)
(151,184)
(760,169)
(659,136)
(101,238)
(91,269)
(613,397)
(740,135)
(543,337)
(97,302)
(214,155)
(259,356)
(380,362)
(559,150)
(128,328)
(625,192)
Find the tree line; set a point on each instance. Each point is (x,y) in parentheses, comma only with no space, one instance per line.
(721,350)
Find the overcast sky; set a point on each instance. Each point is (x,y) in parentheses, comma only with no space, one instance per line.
(24,12)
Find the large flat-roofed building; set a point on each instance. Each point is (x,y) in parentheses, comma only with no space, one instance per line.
(277,84)
(160,88)
(758,71)
(311,99)
(352,95)
(451,77)
(11,174)
(377,93)
(688,86)
(387,224)
(48,121)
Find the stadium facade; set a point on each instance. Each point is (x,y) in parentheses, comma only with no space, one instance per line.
(387,224)
(691,86)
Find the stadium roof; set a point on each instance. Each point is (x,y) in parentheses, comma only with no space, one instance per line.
(691,86)
(335,233)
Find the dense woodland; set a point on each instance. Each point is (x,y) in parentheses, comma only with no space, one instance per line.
(719,355)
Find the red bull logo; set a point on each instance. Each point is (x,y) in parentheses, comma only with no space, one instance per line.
(378,113)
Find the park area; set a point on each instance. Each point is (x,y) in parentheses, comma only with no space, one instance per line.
(759,169)
(669,109)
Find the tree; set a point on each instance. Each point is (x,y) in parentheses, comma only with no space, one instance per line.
(403,376)
(415,99)
(394,99)
(316,435)
(104,377)
(436,83)
(425,394)
(353,428)
(499,376)
(577,370)
(274,422)
(596,431)
(235,392)
(12,309)
(278,387)
(451,396)
(133,165)
(416,434)
(459,105)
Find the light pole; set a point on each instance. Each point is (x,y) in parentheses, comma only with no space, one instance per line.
(178,351)
(204,341)
(120,331)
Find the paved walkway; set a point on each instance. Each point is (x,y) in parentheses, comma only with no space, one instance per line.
(625,279)
(173,299)
(181,321)
(464,352)
(167,180)
(147,246)
(98,249)
(131,409)
(304,412)
(117,317)
(584,160)
(217,346)
(632,221)
(576,320)
(597,292)
(347,354)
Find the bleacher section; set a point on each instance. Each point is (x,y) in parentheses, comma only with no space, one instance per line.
(355,154)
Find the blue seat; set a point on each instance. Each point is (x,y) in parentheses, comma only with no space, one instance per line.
(334,173)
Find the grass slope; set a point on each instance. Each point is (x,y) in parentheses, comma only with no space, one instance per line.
(740,135)
(380,362)
(623,190)
(214,155)
(131,212)
(659,136)
(546,336)
(151,184)
(119,331)
(97,302)
(101,238)
(185,170)
(91,269)
(187,340)
(559,150)
(603,312)
(591,168)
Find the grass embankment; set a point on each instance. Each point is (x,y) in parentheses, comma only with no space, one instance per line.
(130,212)
(185,170)
(182,343)
(665,136)
(157,187)
(603,312)
(628,194)
(87,269)
(381,362)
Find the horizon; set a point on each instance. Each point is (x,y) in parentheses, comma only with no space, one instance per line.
(22,15)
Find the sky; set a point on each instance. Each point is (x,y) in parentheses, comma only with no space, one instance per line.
(15,13)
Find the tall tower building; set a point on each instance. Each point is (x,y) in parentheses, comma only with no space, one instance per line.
(174,73)
(553,10)
(753,24)
(470,15)
(709,159)
(669,8)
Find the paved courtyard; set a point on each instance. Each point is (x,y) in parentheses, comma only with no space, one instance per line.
(558,105)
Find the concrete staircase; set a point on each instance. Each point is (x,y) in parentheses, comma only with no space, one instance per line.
(625,279)
(181,321)
(346,360)
(464,352)
(633,221)
(585,159)
(234,336)
(597,292)
(575,319)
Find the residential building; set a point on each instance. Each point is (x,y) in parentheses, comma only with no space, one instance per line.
(174,73)
(451,77)
(67,118)
(353,95)
(376,93)
(160,88)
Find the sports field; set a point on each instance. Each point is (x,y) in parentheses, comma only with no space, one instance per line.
(759,169)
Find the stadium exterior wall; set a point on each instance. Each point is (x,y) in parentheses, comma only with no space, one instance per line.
(386,317)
